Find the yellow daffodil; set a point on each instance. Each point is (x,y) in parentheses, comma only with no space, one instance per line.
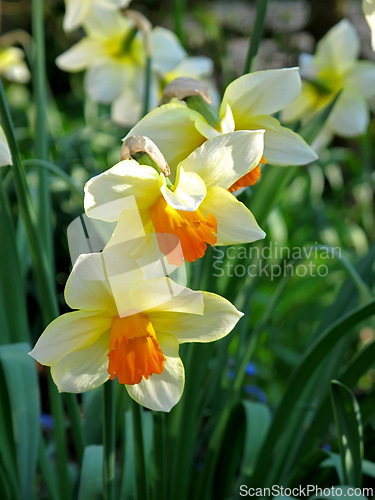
(334,68)
(12,65)
(368,7)
(77,12)
(247,104)
(113,55)
(128,328)
(198,208)
(5,157)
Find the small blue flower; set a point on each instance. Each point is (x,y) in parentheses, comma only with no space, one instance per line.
(46,422)
(256,391)
(250,369)
(231,374)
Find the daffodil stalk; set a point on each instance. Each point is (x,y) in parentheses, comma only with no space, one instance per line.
(109,441)
(256,36)
(40,140)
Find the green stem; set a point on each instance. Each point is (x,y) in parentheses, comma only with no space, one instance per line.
(76,424)
(41,143)
(139,454)
(146,101)
(179,11)
(109,442)
(256,36)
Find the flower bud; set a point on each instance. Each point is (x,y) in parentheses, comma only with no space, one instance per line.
(138,145)
(183,87)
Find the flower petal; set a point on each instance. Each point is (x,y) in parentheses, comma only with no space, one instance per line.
(84,369)
(167,50)
(350,116)
(338,49)
(105,81)
(224,159)
(75,13)
(177,137)
(162,392)
(68,333)
(193,67)
(260,93)
(189,193)
(111,192)
(235,222)
(282,146)
(361,78)
(219,318)
(5,156)
(163,294)
(368,7)
(81,55)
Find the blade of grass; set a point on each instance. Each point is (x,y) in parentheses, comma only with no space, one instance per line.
(350,434)
(25,406)
(307,366)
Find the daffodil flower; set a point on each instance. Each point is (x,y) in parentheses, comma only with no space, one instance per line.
(5,157)
(247,104)
(334,68)
(12,65)
(130,329)
(77,12)
(114,57)
(368,7)
(198,208)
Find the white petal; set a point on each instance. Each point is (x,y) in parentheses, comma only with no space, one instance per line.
(81,55)
(126,109)
(75,13)
(368,7)
(177,137)
(104,82)
(219,318)
(68,333)
(193,67)
(167,51)
(235,222)
(224,159)
(227,124)
(361,78)
(189,193)
(163,294)
(113,191)
(261,93)
(162,392)
(282,146)
(350,116)
(96,279)
(5,156)
(83,370)
(338,49)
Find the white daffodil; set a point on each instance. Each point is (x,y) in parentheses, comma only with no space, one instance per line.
(247,104)
(77,12)
(129,328)
(198,208)
(334,68)
(12,65)
(114,57)
(368,7)
(5,157)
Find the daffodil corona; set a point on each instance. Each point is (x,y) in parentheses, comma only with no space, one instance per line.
(128,328)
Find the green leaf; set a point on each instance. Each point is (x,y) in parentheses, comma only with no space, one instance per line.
(349,428)
(91,483)
(23,391)
(128,485)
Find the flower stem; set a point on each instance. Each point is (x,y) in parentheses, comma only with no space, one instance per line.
(139,454)
(146,100)
(179,10)
(256,36)
(109,442)
(40,140)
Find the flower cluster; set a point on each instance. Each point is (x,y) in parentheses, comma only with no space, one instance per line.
(115,54)
(170,196)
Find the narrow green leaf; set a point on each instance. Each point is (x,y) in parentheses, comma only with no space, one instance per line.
(22,384)
(91,482)
(128,485)
(349,428)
